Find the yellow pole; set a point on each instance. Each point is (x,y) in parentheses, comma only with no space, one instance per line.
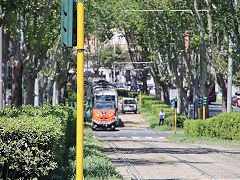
(203,112)
(140,97)
(198,113)
(175,120)
(47,100)
(80,89)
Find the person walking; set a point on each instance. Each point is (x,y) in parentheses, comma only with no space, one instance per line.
(161,115)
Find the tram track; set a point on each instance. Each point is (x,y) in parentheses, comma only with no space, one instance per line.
(131,169)
(184,162)
(148,146)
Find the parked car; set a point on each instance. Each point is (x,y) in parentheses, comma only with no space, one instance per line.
(129,105)
(236,101)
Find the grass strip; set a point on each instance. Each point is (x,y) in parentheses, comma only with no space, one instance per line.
(153,121)
(96,165)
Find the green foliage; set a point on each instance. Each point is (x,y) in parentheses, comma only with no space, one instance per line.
(72,96)
(224,126)
(96,165)
(153,107)
(34,140)
(180,120)
(29,145)
(107,56)
(125,93)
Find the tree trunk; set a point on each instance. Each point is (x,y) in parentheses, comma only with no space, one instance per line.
(157,89)
(221,82)
(30,90)
(144,80)
(165,93)
(17,85)
(224,99)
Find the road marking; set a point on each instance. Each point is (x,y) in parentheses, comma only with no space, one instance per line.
(122,137)
(135,137)
(148,137)
(161,137)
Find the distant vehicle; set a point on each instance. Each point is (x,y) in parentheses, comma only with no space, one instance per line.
(236,101)
(129,105)
(103,115)
(89,72)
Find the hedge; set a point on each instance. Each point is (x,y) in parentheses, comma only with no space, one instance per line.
(180,120)
(154,106)
(28,146)
(34,140)
(125,93)
(96,165)
(224,126)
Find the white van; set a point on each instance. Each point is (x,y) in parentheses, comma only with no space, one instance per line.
(129,105)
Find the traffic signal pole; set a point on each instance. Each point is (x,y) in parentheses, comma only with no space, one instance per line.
(80,89)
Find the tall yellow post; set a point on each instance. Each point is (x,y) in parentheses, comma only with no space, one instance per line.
(204,112)
(175,120)
(198,113)
(47,100)
(80,89)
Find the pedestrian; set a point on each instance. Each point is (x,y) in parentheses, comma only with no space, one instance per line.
(161,115)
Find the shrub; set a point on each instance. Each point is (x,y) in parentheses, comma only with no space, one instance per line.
(72,96)
(96,165)
(28,125)
(180,120)
(122,92)
(224,126)
(125,93)
(133,94)
(145,98)
(28,146)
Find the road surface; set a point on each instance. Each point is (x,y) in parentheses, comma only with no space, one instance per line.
(141,153)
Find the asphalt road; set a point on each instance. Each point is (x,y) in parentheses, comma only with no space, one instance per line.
(216,108)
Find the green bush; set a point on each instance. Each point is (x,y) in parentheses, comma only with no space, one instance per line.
(72,96)
(180,120)
(122,92)
(133,94)
(96,165)
(30,123)
(28,146)
(145,98)
(125,93)
(224,126)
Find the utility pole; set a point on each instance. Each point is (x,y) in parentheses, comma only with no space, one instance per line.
(195,90)
(1,71)
(21,53)
(54,93)
(114,66)
(229,88)
(181,84)
(36,92)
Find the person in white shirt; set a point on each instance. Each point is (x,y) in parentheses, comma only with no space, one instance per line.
(161,115)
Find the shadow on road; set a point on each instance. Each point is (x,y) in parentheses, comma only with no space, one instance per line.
(153,162)
(170,150)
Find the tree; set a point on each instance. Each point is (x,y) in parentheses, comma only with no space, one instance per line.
(31,26)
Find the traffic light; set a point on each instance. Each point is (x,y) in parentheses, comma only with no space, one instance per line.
(175,103)
(205,101)
(200,102)
(68,23)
